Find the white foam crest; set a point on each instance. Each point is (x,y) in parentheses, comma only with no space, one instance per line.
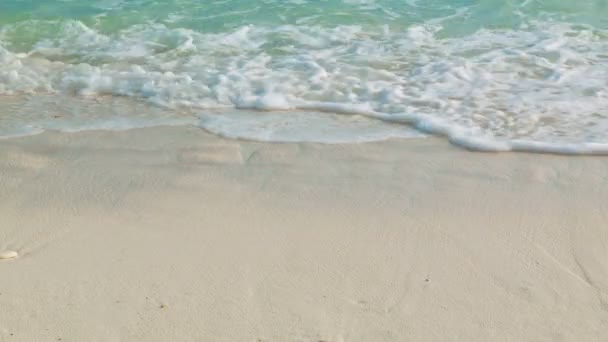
(260,128)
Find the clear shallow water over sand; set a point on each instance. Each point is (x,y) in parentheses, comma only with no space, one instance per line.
(490,75)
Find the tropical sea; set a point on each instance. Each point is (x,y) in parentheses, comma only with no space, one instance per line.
(497,75)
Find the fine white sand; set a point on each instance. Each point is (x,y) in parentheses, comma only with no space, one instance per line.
(171,234)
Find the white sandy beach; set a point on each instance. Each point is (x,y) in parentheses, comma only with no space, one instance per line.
(172,234)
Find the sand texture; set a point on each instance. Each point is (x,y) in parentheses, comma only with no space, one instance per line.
(172,234)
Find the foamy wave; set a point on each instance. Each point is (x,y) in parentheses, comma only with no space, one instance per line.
(541,87)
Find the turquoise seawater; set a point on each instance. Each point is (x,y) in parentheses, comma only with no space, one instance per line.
(487,74)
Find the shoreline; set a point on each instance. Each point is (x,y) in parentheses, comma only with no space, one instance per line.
(323,123)
(171,233)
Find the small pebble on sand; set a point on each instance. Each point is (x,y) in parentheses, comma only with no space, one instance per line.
(9,255)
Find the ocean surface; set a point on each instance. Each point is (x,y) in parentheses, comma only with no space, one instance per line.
(486,74)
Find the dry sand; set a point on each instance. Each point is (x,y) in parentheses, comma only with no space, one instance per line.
(171,234)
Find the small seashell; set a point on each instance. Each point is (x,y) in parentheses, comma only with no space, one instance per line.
(9,255)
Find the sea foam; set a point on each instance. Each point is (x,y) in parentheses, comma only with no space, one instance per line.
(539,85)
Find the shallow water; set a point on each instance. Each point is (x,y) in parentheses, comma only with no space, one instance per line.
(487,74)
